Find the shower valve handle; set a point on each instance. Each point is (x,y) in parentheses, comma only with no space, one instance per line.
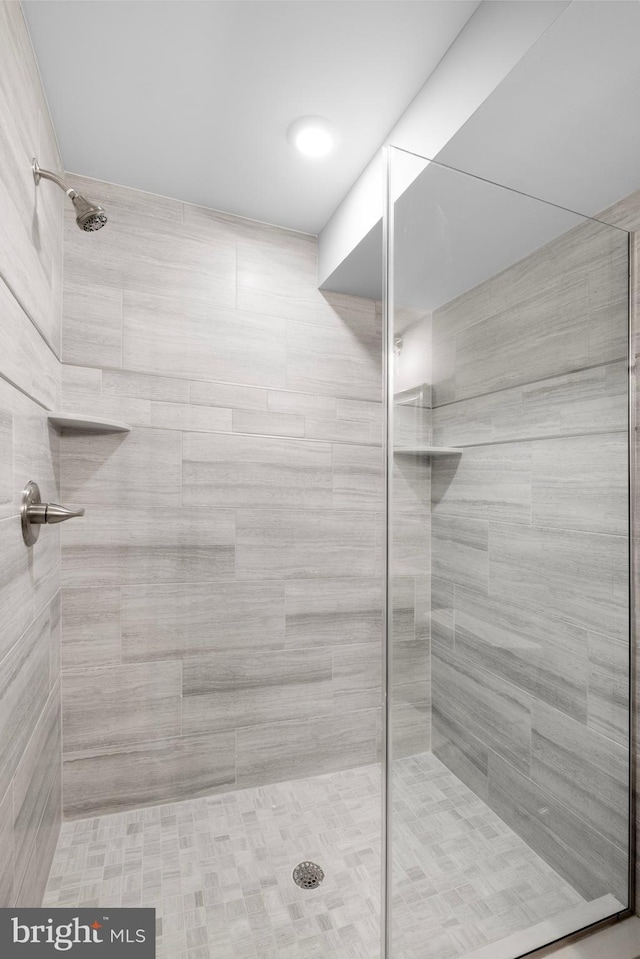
(34,513)
(51,513)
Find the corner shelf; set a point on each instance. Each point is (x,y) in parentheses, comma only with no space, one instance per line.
(430,450)
(86,424)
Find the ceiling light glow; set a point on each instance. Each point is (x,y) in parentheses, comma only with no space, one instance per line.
(313,136)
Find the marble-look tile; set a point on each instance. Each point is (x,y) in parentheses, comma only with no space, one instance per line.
(323,360)
(172,622)
(608,709)
(313,405)
(90,627)
(459,749)
(295,544)
(412,423)
(143,386)
(6,849)
(403,602)
(411,664)
(589,401)
(7,492)
(485,482)
(361,410)
(277,275)
(183,416)
(357,677)
(341,430)
(442,612)
(116,705)
(496,712)
(358,477)
(55,646)
(593,865)
(470,307)
(16,589)
(443,371)
(281,751)
(583,770)
(269,423)
(36,451)
(124,409)
(581,482)
(190,339)
(47,838)
(122,545)
(36,772)
(255,471)
(125,777)
(128,204)
(410,731)
(576,576)
(227,395)
(229,689)
(24,689)
(460,551)
(81,379)
(333,611)
(177,261)
(31,229)
(410,542)
(410,490)
(545,656)
(140,468)
(91,323)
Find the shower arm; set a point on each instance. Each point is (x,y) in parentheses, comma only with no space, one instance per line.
(48,175)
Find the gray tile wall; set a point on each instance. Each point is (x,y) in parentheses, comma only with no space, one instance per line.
(410,728)
(529,551)
(30,311)
(609,663)
(222,600)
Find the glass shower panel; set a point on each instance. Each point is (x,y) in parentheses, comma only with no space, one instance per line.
(508,545)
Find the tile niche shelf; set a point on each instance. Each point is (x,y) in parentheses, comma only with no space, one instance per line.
(430,450)
(86,424)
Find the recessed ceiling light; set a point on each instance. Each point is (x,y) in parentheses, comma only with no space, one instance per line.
(313,136)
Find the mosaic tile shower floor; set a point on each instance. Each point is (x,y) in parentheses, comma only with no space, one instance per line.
(218,869)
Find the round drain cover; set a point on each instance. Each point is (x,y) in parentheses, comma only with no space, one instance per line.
(308,875)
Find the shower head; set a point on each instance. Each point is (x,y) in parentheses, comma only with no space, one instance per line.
(90,217)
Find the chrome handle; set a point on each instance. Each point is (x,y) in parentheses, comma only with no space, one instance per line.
(51,513)
(34,513)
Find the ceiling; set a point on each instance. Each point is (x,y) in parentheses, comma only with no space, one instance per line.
(192,100)
(562,126)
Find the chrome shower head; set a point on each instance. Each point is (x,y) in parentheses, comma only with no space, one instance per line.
(90,217)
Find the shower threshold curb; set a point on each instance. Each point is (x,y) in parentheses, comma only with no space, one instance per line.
(621,940)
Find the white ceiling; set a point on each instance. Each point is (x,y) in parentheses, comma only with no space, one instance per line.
(192,100)
(562,126)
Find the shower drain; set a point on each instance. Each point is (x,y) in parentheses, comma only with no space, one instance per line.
(308,875)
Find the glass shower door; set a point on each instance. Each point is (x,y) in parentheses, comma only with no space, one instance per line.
(508,560)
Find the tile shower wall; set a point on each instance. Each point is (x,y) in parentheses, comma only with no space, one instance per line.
(222,600)
(410,728)
(626,215)
(529,551)
(30,310)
